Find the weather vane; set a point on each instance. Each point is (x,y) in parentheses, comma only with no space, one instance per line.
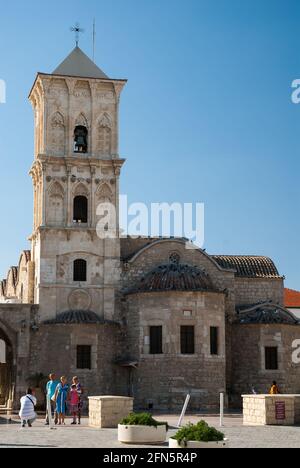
(77,30)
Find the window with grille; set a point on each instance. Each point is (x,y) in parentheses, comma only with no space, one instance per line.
(80,214)
(271,358)
(214,341)
(187,335)
(84,357)
(80,268)
(156,340)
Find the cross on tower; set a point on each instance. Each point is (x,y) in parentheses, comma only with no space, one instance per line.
(77,30)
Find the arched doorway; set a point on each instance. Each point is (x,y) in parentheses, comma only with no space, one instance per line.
(6,369)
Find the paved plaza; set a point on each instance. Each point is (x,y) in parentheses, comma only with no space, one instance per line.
(40,436)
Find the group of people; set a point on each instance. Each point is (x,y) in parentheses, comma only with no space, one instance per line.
(60,397)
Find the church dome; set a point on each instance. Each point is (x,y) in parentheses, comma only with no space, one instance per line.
(174,277)
(74,317)
(267,314)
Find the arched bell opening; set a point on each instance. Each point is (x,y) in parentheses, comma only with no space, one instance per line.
(80,139)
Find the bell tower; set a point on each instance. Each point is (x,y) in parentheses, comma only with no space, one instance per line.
(76,167)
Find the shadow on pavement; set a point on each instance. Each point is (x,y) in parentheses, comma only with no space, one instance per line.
(8,421)
(28,445)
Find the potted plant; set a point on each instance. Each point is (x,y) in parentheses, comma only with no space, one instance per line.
(142,428)
(199,435)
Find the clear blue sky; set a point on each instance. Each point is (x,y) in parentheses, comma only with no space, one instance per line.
(206,115)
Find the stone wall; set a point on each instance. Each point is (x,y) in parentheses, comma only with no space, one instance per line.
(248,359)
(54,349)
(164,380)
(250,291)
(56,250)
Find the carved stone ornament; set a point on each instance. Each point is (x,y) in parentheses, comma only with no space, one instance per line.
(79,300)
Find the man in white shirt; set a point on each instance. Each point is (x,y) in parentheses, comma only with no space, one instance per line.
(27,413)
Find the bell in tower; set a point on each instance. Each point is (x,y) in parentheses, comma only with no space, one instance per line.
(80,139)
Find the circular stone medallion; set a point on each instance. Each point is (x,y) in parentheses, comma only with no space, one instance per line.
(79,300)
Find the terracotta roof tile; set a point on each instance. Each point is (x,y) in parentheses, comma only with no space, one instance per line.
(291,298)
(248,266)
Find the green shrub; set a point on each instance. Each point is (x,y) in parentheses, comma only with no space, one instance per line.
(200,432)
(141,419)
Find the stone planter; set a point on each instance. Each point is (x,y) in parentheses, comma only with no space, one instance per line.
(107,411)
(198,445)
(142,434)
(270,410)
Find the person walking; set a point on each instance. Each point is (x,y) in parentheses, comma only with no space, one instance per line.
(79,389)
(50,392)
(27,412)
(61,397)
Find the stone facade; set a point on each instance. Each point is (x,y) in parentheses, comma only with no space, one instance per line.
(248,360)
(125,286)
(200,374)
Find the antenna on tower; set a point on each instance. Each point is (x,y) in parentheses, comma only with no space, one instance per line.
(94,38)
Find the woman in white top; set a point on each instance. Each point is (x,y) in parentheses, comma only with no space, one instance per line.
(27,413)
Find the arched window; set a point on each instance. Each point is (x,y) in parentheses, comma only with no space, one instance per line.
(80,139)
(79,271)
(80,214)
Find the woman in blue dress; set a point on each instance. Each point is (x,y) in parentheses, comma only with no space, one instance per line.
(61,396)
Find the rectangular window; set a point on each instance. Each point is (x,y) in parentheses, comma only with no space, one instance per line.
(271,358)
(187,336)
(84,358)
(214,341)
(80,270)
(156,340)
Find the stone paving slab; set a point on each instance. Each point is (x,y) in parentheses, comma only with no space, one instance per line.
(40,436)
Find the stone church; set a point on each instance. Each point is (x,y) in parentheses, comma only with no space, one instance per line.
(130,316)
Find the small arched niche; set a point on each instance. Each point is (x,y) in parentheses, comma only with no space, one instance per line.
(55,212)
